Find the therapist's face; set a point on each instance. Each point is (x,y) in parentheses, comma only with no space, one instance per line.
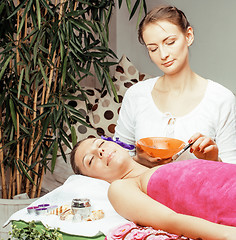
(168,46)
(102,159)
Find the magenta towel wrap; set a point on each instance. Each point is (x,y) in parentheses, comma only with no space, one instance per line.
(200,188)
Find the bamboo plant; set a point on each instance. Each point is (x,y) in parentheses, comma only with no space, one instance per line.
(47,47)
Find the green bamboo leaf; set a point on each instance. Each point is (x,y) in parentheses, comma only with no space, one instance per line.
(7,49)
(75,67)
(17,9)
(64,70)
(73,136)
(108,64)
(9,143)
(2,96)
(108,14)
(28,6)
(43,72)
(54,155)
(5,65)
(108,77)
(73,79)
(47,6)
(45,50)
(98,73)
(38,14)
(58,114)
(45,125)
(75,13)
(62,44)
(145,6)
(13,113)
(22,103)
(23,57)
(80,24)
(25,171)
(99,31)
(33,33)
(46,151)
(65,116)
(41,116)
(25,53)
(140,14)
(71,97)
(2,6)
(27,79)
(35,55)
(48,105)
(64,139)
(134,9)
(79,69)
(74,45)
(62,50)
(73,110)
(20,82)
(62,151)
(80,121)
(34,18)
(25,130)
(128,3)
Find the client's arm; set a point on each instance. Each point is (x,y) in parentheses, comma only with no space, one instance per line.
(130,202)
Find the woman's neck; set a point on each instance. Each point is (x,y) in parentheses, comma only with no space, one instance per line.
(135,170)
(179,82)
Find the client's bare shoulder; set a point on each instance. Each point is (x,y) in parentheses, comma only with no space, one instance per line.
(144,178)
(123,185)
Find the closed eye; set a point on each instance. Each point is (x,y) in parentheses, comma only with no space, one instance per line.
(152,49)
(90,161)
(100,144)
(170,43)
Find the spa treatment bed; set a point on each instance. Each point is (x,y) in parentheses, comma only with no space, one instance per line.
(109,226)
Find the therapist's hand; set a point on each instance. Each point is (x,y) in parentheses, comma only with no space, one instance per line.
(204,147)
(148,161)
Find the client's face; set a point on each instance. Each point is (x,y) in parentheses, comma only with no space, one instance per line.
(102,159)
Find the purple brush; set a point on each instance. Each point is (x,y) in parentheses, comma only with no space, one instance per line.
(122,144)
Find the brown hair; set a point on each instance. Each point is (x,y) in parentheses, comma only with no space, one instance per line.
(75,168)
(72,158)
(168,13)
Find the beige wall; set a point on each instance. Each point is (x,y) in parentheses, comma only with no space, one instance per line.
(213,54)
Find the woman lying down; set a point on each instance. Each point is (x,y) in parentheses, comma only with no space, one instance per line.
(195,198)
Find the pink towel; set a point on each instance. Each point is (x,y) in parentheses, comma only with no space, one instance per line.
(200,188)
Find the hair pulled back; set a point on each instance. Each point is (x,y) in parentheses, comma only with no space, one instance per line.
(72,158)
(75,168)
(168,13)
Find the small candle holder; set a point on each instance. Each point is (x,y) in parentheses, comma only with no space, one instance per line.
(81,208)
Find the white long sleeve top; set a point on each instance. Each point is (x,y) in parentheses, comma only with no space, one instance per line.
(215,116)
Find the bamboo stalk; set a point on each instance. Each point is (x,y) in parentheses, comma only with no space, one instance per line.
(23,140)
(14,182)
(3,176)
(45,102)
(18,155)
(10,185)
(31,145)
(50,78)
(36,169)
(17,115)
(40,183)
(25,100)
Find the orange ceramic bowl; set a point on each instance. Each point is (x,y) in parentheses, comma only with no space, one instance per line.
(161,147)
